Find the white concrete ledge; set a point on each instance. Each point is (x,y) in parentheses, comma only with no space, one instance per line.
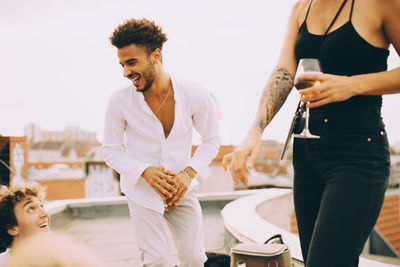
(57,206)
(228,195)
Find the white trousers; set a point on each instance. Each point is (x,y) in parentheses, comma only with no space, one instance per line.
(186,225)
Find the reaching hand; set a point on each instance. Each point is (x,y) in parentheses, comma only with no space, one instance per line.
(182,182)
(161,182)
(236,161)
(332,88)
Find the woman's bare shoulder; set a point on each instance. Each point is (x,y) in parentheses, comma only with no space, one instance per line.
(390,14)
(299,10)
(384,8)
(301,5)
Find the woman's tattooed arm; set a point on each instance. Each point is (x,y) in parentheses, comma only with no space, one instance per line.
(275,93)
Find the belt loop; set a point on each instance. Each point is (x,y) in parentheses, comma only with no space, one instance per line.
(325,120)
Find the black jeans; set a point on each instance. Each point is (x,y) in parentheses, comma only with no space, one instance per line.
(339,184)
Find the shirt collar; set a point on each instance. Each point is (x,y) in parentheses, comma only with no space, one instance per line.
(175,86)
(140,97)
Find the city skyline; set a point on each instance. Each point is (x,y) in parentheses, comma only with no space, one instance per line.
(58,71)
(35,134)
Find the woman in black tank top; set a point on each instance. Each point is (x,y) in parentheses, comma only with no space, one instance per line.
(341,178)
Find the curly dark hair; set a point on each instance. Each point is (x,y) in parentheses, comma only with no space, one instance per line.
(9,197)
(141,32)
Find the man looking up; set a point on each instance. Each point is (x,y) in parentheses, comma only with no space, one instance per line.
(21,215)
(157,116)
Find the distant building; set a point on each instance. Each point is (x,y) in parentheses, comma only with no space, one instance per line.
(57,159)
(56,151)
(71,133)
(71,145)
(395,148)
(13,159)
(268,160)
(218,180)
(33,133)
(63,181)
(394,178)
(223,150)
(76,134)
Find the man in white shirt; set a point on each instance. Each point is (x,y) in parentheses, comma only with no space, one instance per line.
(157,116)
(21,215)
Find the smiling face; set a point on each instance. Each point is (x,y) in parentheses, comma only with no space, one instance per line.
(31,218)
(139,66)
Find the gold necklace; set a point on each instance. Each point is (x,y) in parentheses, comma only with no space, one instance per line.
(165,99)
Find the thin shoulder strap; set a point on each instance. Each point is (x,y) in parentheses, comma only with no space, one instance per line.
(351,10)
(337,15)
(308,10)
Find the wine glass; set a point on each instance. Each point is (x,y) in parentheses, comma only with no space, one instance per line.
(306,65)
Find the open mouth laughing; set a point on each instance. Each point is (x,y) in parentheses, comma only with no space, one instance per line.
(135,79)
(44,225)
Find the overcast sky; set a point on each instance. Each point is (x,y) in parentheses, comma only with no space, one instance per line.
(57,68)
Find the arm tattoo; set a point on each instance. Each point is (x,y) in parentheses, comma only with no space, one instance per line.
(275,93)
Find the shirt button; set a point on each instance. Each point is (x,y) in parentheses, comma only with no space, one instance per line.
(382,133)
(369,139)
(326,120)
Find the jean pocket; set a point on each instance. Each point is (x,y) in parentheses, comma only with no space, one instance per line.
(359,147)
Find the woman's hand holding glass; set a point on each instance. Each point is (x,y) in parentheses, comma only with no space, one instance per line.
(331,88)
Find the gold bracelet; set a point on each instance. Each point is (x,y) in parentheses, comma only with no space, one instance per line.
(188,174)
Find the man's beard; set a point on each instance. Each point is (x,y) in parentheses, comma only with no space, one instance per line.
(149,75)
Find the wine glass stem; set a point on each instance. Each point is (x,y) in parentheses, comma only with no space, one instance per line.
(307,117)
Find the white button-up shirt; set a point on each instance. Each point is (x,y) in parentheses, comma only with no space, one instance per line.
(145,144)
(5,257)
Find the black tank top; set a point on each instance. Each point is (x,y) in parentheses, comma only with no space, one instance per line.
(342,52)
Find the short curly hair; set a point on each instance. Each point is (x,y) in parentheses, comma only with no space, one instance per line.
(141,32)
(9,197)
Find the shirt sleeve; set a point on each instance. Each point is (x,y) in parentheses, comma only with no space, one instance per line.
(206,124)
(113,150)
